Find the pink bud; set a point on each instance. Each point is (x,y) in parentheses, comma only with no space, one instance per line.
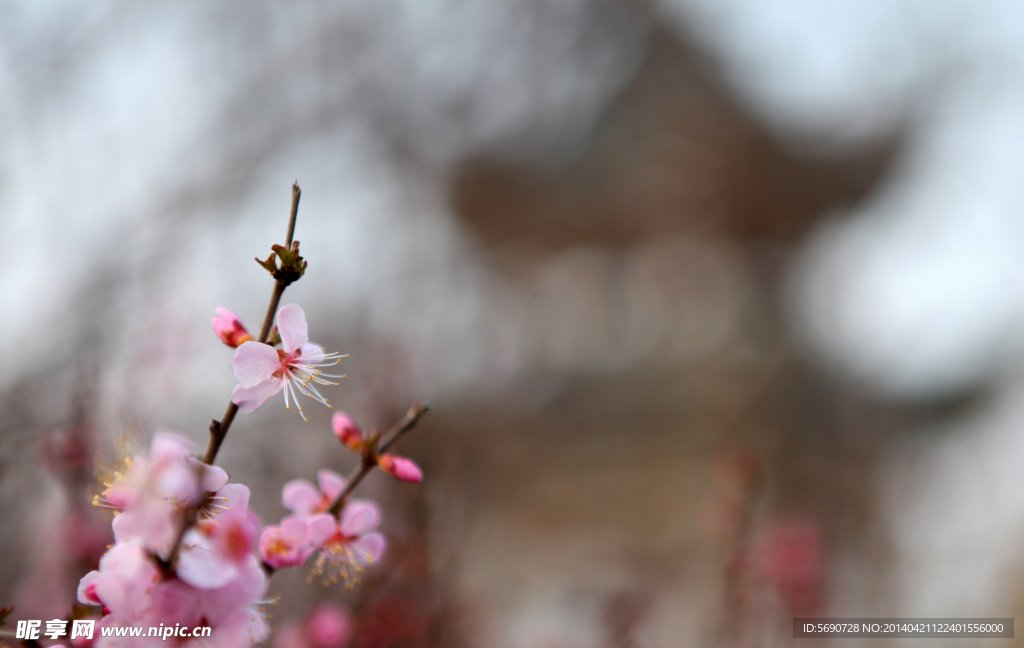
(347,432)
(229,328)
(400,468)
(328,626)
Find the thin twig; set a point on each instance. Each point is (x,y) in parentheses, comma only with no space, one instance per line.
(188,519)
(415,413)
(412,417)
(296,194)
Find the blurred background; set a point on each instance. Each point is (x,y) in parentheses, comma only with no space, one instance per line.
(719,303)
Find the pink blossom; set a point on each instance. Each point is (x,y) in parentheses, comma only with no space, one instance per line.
(232,610)
(133,592)
(302,498)
(126,573)
(229,328)
(263,371)
(148,494)
(218,546)
(285,545)
(790,557)
(347,545)
(347,432)
(211,478)
(328,626)
(400,468)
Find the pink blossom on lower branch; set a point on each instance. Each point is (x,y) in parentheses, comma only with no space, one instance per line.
(263,371)
(303,499)
(348,545)
(286,545)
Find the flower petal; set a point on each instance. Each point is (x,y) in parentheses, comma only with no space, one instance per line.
(249,584)
(199,566)
(311,354)
(291,324)
(369,549)
(87,589)
(321,528)
(299,496)
(359,517)
(170,446)
(253,363)
(331,483)
(295,530)
(249,399)
(213,476)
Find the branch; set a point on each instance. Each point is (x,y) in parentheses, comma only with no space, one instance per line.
(369,462)
(296,194)
(219,429)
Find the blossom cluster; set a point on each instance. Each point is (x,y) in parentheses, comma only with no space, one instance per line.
(187,548)
(345,544)
(213,578)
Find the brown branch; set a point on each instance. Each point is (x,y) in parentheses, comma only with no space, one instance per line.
(219,429)
(369,462)
(296,194)
(188,519)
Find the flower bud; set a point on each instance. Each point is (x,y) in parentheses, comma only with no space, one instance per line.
(229,328)
(347,432)
(400,468)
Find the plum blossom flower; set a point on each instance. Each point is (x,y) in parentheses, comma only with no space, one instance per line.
(347,545)
(286,545)
(263,371)
(125,574)
(304,500)
(229,328)
(146,497)
(219,546)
